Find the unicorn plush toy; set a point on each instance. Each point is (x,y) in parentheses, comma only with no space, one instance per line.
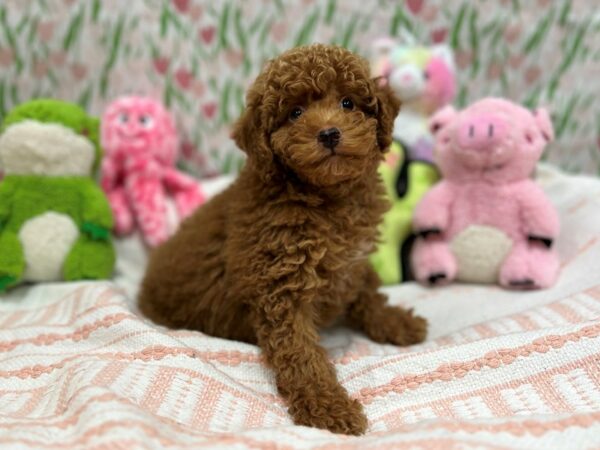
(423,79)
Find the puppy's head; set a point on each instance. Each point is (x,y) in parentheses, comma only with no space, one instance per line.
(315,112)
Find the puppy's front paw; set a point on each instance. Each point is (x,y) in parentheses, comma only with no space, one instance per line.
(331,410)
(401,327)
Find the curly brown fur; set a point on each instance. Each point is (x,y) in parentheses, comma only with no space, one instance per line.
(283,251)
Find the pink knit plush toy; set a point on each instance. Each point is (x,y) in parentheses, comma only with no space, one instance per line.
(138,171)
(487,221)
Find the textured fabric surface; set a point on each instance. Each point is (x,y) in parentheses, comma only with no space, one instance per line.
(501,370)
(200,55)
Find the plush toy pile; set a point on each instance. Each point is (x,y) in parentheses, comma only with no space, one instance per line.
(423,79)
(139,174)
(487,221)
(55,221)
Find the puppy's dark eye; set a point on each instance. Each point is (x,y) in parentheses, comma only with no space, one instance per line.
(296,113)
(347,103)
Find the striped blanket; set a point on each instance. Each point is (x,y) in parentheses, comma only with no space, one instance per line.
(79,369)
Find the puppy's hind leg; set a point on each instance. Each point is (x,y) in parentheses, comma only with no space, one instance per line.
(382,322)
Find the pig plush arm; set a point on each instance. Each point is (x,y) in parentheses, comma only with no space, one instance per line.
(432,214)
(539,217)
(540,221)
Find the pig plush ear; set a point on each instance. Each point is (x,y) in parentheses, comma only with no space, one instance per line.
(544,123)
(441,118)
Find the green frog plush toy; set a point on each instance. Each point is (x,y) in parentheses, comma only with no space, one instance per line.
(55,221)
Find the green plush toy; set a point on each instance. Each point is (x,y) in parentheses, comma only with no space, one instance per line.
(406,181)
(55,221)
(424,80)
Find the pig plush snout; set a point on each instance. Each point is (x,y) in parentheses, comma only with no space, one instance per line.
(481,133)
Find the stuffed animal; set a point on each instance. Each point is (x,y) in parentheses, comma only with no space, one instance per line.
(487,221)
(54,219)
(139,174)
(423,79)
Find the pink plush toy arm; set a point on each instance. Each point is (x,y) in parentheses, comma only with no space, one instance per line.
(432,214)
(112,185)
(186,190)
(176,181)
(540,220)
(109,175)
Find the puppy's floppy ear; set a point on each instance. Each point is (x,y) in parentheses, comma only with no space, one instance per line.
(251,135)
(387,108)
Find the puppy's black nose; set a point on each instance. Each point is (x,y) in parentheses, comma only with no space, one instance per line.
(330,137)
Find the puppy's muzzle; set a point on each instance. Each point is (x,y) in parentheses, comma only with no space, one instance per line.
(329,137)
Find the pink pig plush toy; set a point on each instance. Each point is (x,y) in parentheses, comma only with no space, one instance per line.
(487,221)
(138,172)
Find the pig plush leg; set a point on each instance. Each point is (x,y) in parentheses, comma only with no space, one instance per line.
(529,266)
(432,261)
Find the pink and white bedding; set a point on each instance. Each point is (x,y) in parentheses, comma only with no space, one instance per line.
(79,369)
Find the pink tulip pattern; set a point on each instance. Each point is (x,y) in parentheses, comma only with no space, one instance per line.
(201,55)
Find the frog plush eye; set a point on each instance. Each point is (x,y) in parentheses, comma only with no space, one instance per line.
(123,118)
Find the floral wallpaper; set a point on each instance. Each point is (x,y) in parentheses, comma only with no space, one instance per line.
(199,56)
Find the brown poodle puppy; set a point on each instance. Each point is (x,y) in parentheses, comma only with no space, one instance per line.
(283,251)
